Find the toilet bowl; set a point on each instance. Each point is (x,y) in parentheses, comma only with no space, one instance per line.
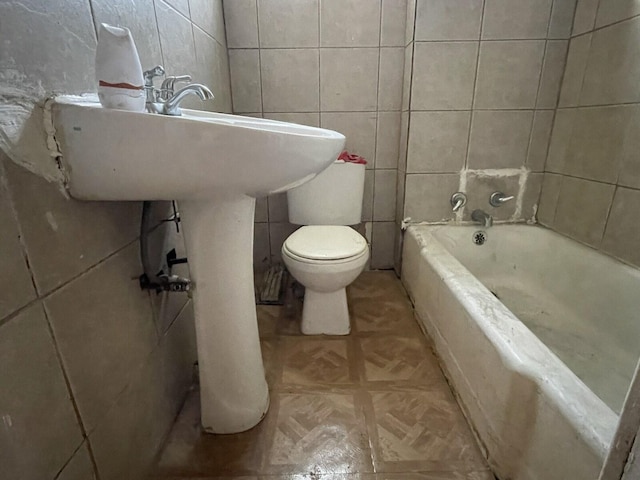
(325,259)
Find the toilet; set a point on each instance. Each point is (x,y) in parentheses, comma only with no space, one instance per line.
(326,255)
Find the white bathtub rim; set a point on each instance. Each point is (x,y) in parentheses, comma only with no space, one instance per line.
(599,430)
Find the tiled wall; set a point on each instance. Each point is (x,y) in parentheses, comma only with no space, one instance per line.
(482,79)
(591,188)
(92,369)
(331,63)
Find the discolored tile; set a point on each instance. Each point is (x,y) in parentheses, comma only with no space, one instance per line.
(268,318)
(442,475)
(371,285)
(318,434)
(310,361)
(398,359)
(190,452)
(271,361)
(423,431)
(385,314)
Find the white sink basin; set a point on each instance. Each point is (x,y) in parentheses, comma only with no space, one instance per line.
(214,165)
(120,155)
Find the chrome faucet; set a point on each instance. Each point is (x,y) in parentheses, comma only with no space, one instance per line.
(171,105)
(482,217)
(164,100)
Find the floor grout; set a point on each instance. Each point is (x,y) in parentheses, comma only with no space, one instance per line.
(368,404)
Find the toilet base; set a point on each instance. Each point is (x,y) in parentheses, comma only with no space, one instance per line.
(325,313)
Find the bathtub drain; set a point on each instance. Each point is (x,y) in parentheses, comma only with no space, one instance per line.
(480,237)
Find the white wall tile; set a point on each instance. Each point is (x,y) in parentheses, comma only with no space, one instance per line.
(208,15)
(574,71)
(384,201)
(438,142)
(101,312)
(176,39)
(393,23)
(349,79)
(284,91)
(610,11)
(516,19)
(427,196)
(582,209)
(443,75)
(614,65)
(561,19)
(41,430)
(621,236)
(241,21)
(15,281)
(350,23)
(585,16)
(448,19)
(552,71)
(383,238)
(391,76)
(387,139)
(508,74)
(359,128)
(499,139)
(244,66)
(540,137)
(286,24)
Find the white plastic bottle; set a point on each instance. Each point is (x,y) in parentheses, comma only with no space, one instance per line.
(118,70)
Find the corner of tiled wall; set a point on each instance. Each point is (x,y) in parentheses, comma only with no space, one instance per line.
(327,63)
(484,85)
(93,369)
(591,186)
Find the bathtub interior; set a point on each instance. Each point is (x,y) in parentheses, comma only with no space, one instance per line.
(583,305)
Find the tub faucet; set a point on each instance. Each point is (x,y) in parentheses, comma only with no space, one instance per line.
(482,217)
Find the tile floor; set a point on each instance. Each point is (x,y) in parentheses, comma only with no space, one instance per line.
(373,404)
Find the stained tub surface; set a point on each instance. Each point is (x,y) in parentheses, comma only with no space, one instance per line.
(539,337)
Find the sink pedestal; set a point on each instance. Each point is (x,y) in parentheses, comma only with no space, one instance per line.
(219,242)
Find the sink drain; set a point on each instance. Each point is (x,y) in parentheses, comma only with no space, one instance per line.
(480,237)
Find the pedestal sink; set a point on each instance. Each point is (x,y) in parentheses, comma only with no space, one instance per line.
(215,165)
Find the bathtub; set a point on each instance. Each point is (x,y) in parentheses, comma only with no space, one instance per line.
(538,336)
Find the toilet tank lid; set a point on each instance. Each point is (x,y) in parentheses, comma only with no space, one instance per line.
(325,242)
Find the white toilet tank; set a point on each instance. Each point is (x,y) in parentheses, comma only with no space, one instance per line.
(333,197)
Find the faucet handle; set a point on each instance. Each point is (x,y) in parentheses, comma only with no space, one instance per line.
(458,200)
(168,85)
(498,198)
(150,74)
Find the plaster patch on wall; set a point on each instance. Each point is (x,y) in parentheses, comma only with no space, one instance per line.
(22,136)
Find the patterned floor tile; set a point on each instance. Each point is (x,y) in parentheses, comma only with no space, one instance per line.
(383,315)
(377,285)
(271,359)
(189,452)
(426,429)
(341,407)
(318,434)
(459,475)
(310,361)
(398,359)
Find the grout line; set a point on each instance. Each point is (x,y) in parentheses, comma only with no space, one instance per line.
(602,27)
(155,14)
(93,18)
(473,100)
(74,403)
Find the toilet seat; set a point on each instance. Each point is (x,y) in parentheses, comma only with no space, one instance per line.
(325,244)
